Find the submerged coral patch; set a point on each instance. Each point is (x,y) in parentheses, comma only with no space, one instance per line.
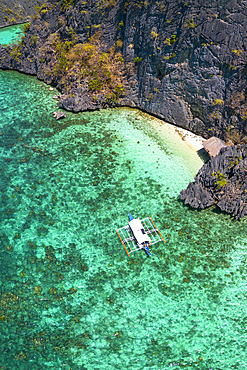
(69,295)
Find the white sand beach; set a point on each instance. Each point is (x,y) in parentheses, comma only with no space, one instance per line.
(194,141)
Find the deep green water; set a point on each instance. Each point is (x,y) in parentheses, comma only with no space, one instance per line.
(69,295)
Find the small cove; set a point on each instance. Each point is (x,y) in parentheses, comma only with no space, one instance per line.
(11,34)
(69,295)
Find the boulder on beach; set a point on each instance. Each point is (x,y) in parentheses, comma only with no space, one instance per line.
(59,115)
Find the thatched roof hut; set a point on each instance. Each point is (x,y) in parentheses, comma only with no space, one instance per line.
(213,146)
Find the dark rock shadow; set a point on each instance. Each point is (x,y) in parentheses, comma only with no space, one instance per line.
(216,210)
(203,154)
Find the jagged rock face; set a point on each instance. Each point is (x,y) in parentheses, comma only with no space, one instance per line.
(16,11)
(183,61)
(221,181)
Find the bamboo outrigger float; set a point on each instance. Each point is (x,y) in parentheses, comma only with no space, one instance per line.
(139,234)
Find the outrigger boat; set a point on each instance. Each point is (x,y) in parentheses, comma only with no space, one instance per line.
(139,234)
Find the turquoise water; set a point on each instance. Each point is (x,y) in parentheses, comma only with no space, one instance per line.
(11,34)
(70,298)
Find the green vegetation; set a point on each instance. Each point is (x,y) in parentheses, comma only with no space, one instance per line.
(113,96)
(161,6)
(67,4)
(16,52)
(137,60)
(119,43)
(191,23)
(43,9)
(154,35)
(167,57)
(232,66)
(26,27)
(9,11)
(171,40)
(218,102)
(237,51)
(106,3)
(33,40)
(11,16)
(215,115)
(36,8)
(101,70)
(15,49)
(221,181)
(120,25)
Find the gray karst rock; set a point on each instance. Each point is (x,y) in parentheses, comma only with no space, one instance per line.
(196,196)
(221,181)
(58,115)
(185,62)
(17,11)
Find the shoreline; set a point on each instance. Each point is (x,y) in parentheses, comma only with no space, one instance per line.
(13,24)
(192,140)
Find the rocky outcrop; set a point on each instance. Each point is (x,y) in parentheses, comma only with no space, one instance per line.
(184,62)
(58,115)
(16,11)
(221,181)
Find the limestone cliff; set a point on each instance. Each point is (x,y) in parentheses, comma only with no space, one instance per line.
(221,181)
(16,11)
(182,61)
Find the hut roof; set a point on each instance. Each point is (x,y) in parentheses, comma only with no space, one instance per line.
(213,146)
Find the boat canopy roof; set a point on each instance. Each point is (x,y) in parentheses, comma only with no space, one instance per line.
(139,231)
(139,234)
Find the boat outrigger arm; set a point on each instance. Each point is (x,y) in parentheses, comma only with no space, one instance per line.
(139,234)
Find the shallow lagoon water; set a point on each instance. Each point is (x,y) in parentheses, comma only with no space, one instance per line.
(69,295)
(11,34)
